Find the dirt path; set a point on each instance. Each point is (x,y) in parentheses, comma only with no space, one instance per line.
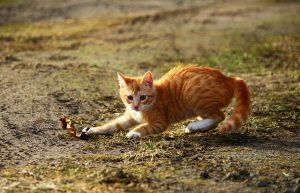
(60,58)
(38,87)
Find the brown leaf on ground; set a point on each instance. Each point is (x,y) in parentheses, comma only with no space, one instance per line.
(68,125)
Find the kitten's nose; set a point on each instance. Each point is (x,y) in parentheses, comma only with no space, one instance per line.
(135,107)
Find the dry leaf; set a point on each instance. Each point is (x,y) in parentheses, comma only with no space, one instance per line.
(68,125)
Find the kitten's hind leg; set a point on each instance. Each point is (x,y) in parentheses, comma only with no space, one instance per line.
(208,123)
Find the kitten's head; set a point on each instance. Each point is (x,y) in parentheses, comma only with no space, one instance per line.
(137,93)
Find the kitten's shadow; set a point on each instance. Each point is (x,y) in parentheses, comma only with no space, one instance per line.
(243,140)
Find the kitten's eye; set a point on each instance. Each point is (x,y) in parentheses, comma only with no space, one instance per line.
(129,97)
(142,97)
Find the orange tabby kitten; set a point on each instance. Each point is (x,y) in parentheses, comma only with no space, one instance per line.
(182,93)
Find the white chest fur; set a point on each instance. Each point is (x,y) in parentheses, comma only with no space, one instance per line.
(136,115)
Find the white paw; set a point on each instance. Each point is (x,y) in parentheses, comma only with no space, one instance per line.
(204,125)
(84,130)
(133,135)
(87,130)
(187,130)
(192,126)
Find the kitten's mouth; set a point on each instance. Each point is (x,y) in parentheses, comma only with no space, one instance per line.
(135,108)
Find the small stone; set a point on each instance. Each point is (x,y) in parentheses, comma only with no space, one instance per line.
(11,58)
(252,175)
(204,175)
(244,173)
(67,181)
(262,183)
(169,138)
(177,159)
(131,184)
(232,176)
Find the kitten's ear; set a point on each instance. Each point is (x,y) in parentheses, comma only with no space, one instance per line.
(122,80)
(148,79)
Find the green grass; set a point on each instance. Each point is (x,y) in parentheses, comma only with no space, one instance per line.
(10,2)
(272,53)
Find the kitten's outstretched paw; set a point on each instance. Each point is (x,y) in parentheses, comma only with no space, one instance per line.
(190,128)
(84,130)
(187,130)
(133,135)
(84,135)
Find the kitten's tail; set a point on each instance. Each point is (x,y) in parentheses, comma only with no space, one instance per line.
(242,107)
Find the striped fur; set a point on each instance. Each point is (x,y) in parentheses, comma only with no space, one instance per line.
(242,108)
(184,92)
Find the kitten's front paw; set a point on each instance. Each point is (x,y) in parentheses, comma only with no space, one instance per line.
(190,128)
(133,135)
(84,135)
(187,130)
(84,130)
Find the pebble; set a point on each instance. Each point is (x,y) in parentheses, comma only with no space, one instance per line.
(232,176)
(177,159)
(262,183)
(240,175)
(244,173)
(204,174)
